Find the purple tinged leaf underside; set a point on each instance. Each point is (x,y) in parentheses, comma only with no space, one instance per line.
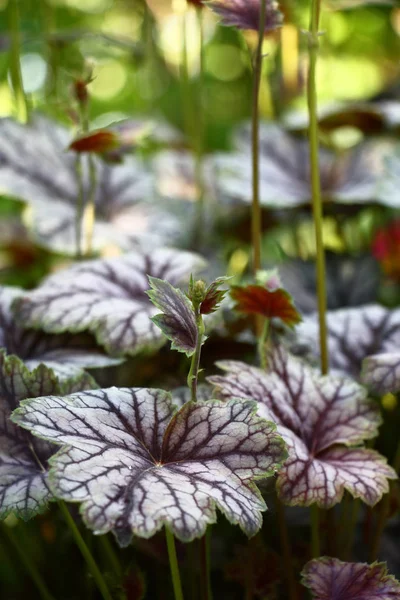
(177,320)
(136,464)
(331,579)
(108,298)
(323,420)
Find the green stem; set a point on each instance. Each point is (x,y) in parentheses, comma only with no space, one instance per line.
(90,561)
(15,65)
(256,209)
(28,564)
(313,46)
(262,342)
(48,18)
(198,123)
(315,543)
(354,510)
(90,208)
(80,201)
(205,564)
(286,551)
(193,375)
(173,563)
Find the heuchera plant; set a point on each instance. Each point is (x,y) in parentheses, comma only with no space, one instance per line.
(158,454)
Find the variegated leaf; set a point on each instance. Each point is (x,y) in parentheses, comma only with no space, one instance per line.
(136,464)
(107,297)
(321,418)
(285,171)
(23,458)
(381,372)
(353,334)
(35,167)
(331,579)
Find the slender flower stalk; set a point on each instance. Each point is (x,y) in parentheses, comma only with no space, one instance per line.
(193,375)
(90,561)
(173,563)
(313,46)
(256,209)
(15,64)
(28,564)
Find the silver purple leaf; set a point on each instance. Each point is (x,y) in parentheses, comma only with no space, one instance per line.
(108,298)
(323,420)
(177,320)
(66,354)
(135,463)
(388,183)
(36,168)
(353,334)
(332,579)
(381,372)
(285,171)
(24,488)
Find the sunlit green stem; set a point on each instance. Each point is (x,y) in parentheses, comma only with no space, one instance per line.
(80,204)
(205,564)
(28,564)
(313,46)
(173,563)
(193,376)
(90,561)
(15,65)
(315,543)
(256,209)
(198,122)
(286,551)
(262,344)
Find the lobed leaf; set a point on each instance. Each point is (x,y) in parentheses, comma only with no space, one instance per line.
(257,299)
(108,298)
(24,488)
(381,372)
(331,579)
(135,463)
(353,334)
(321,418)
(67,355)
(35,168)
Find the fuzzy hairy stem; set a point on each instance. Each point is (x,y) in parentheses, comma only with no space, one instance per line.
(193,375)
(173,563)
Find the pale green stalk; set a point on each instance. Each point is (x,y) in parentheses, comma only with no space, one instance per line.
(193,375)
(15,64)
(313,46)
(256,209)
(173,563)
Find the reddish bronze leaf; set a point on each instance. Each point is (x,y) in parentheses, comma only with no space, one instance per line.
(97,142)
(255,299)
